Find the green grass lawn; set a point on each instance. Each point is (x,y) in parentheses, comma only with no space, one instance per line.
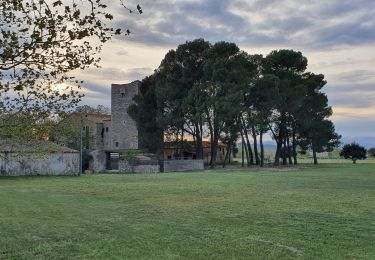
(324,212)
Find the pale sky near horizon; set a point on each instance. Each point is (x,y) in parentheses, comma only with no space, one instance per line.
(336,36)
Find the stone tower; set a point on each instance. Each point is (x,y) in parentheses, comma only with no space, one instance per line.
(124,133)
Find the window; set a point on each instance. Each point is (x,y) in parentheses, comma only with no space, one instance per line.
(106,129)
(116,144)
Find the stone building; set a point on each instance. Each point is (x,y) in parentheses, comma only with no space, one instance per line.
(114,146)
(88,122)
(37,158)
(116,137)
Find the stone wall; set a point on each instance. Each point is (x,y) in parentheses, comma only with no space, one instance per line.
(182,165)
(124,133)
(12,164)
(134,166)
(98,162)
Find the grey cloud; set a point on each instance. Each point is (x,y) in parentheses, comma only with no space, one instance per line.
(116,74)
(138,73)
(94,100)
(289,24)
(310,24)
(356,76)
(96,94)
(94,90)
(344,7)
(352,95)
(349,33)
(170,23)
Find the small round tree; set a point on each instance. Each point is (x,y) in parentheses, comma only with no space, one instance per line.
(354,152)
(371,152)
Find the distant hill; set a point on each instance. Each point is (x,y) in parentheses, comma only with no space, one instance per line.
(366,141)
(269,146)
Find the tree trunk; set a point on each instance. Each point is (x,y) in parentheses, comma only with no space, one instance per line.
(214,150)
(160,151)
(246,151)
(289,150)
(250,160)
(354,161)
(227,154)
(211,141)
(278,148)
(201,139)
(182,155)
(230,154)
(257,162)
(199,144)
(211,151)
(283,138)
(243,151)
(294,145)
(278,151)
(285,150)
(280,139)
(315,158)
(261,149)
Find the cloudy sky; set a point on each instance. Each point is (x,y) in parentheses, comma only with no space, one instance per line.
(337,37)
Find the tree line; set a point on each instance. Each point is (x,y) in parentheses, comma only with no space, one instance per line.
(220,90)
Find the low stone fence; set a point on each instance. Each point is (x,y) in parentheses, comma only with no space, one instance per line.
(181,165)
(12,164)
(154,166)
(139,166)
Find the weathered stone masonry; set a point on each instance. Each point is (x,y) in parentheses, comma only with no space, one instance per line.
(119,135)
(124,130)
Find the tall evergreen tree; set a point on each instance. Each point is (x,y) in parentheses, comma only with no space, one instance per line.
(315,131)
(288,66)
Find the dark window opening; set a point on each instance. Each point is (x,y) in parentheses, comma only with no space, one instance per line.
(122,94)
(106,129)
(116,144)
(112,161)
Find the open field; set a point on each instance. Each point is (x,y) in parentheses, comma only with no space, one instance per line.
(324,212)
